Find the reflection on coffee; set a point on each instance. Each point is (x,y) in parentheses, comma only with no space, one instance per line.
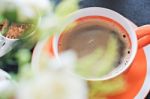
(89,34)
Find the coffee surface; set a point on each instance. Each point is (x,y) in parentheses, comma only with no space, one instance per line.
(89,35)
(101,46)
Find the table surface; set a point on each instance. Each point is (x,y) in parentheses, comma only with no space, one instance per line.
(138,11)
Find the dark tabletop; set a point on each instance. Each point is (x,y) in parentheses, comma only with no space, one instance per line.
(137,11)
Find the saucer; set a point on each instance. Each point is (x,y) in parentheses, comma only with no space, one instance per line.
(137,77)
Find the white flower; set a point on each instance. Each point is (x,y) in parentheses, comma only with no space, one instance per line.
(4,75)
(26,8)
(53,85)
(42,6)
(49,23)
(7,86)
(54,82)
(4,80)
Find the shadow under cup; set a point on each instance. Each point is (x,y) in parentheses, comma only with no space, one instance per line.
(100,43)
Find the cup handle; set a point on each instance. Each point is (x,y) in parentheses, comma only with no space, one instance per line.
(143,35)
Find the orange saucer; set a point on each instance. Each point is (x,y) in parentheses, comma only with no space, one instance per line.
(134,76)
(137,76)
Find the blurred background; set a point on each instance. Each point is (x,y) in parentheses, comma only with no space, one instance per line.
(20,56)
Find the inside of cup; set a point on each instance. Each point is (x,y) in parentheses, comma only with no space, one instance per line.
(100,62)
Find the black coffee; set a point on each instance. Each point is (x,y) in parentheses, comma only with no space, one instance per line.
(86,36)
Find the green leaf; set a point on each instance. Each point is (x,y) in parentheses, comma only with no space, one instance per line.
(11,15)
(1,18)
(66,7)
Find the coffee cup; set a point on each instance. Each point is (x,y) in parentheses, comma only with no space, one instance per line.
(136,39)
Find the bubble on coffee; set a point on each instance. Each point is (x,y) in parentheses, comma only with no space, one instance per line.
(100,46)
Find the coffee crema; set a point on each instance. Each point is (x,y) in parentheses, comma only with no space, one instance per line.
(87,34)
